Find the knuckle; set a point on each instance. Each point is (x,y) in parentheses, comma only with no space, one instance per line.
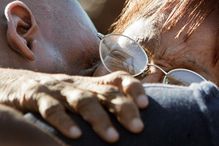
(130,84)
(120,75)
(30,88)
(37,90)
(49,110)
(111,92)
(83,102)
(133,87)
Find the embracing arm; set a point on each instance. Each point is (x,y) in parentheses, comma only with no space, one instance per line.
(51,94)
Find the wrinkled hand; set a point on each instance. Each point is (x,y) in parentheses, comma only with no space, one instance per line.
(50,94)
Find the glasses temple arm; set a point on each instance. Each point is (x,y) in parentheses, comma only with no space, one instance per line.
(178,82)
(100,35)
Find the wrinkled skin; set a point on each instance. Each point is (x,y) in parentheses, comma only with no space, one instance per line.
(50,40)
(48,37)
(199,52)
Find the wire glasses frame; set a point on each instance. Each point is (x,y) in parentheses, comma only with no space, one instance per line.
(120,52)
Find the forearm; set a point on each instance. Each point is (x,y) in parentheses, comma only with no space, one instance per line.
(10,82)
(50,95)
(17,85)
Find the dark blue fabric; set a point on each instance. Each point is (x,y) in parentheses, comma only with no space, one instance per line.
(177,116)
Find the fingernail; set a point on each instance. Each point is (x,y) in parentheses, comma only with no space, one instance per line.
(75,132)
(112,134)
(142,101)
(136,125)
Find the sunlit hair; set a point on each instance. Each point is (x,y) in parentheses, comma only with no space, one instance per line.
(174,11)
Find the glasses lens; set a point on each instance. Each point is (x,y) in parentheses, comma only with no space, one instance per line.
(119,52)
(182,77)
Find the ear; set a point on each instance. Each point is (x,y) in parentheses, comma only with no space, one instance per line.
(22,28)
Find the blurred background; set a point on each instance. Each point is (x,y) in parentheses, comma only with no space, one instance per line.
(103,12)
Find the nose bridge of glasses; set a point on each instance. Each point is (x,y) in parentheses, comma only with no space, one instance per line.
(113,43)
(124,53)
(158,67)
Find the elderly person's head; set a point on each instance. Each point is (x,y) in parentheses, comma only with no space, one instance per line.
(176,34)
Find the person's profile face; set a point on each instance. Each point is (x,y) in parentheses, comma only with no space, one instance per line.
(199,52)
(69,43)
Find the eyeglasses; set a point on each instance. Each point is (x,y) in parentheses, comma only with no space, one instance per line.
(120,52)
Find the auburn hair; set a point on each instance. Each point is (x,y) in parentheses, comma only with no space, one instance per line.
(174,10)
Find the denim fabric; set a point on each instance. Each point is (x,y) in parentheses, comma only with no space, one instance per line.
(176,116)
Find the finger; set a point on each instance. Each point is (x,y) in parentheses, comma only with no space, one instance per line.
(127,113)
(87,105)
(124,108)
(133,88)
(129,85)
(54,113)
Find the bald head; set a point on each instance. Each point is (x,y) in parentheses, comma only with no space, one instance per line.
(42,33)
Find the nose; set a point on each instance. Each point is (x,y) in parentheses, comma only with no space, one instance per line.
(154,76)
